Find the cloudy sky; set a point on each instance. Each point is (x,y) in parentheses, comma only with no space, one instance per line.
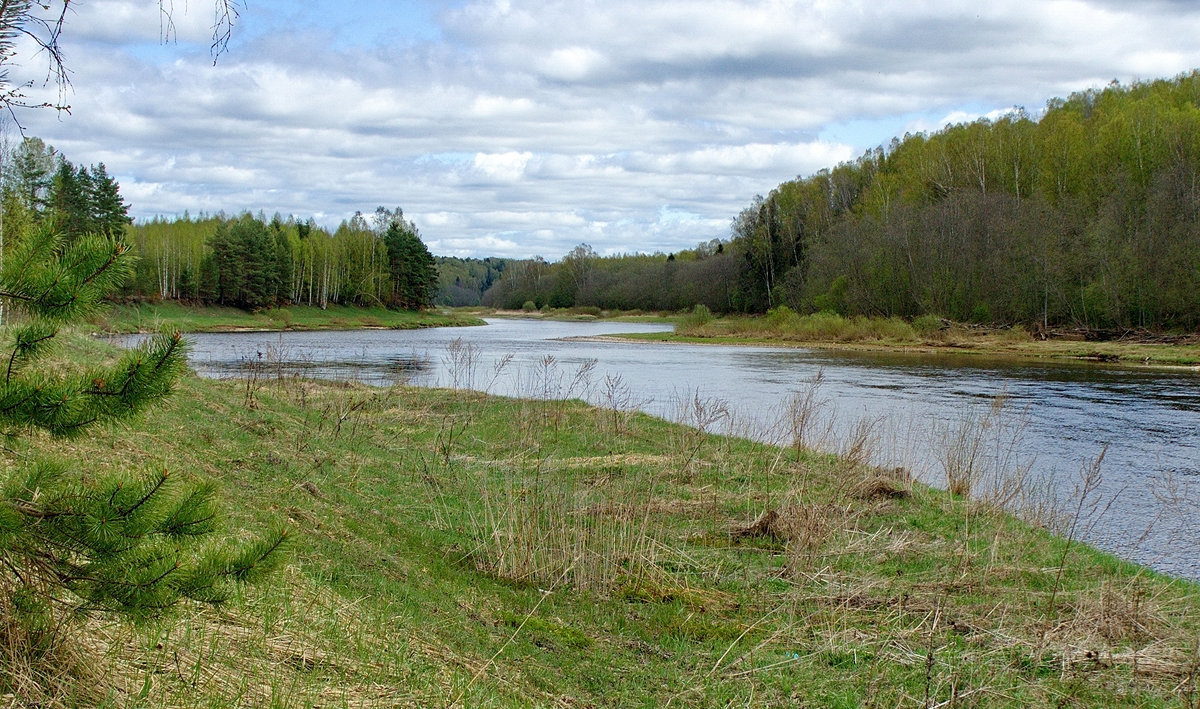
(525,127)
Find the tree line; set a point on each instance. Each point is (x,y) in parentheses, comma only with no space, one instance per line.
(707,274)
(253,262)
(245,261)
(1086,217)
(41,189)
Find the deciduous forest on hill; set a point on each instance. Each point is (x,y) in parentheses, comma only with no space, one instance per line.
(1088,216)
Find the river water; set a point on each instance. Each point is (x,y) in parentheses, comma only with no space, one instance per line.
(1055,418)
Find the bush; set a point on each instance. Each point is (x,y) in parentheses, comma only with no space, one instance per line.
(835,299)
(928,324)
(782,319)
(824,325)
(695,320)
(529,306)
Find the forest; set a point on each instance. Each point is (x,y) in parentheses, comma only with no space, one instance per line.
(1088,216)
(40,188)
(251,262)
(244,261)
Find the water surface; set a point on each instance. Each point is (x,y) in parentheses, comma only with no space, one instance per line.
(1065,413)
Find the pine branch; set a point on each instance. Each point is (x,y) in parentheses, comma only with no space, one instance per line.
(149,493)
(32,511)
(24,346)
(124,542)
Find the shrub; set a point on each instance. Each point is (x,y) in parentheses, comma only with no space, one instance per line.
(824,325)
(928,324)
(695,320)
(529,306)
(835,299)
(782,319)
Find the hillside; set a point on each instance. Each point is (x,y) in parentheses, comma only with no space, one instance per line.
(1085,216)
(459,550)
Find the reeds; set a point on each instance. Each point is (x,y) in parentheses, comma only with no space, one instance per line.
(489,551)
(783,323)
(548,527)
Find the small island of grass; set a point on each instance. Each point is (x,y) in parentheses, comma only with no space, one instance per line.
(929,335)
(144,317)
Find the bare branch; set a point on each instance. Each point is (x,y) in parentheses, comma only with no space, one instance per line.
(42,21)
(225,16)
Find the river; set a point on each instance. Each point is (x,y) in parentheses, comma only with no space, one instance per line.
(1055,419)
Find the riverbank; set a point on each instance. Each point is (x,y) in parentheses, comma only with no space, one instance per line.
(456,549)
(579,314)
(932,336)
(127,319)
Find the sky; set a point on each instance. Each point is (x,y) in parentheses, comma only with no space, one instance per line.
(518,128)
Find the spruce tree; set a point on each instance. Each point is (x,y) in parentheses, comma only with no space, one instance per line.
(128,541)
(30,172)
(70,200)
(412,268)
(110,213)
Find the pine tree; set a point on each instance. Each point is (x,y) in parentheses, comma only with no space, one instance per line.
(413,270)
(109,212)
(70,200)
(128,541)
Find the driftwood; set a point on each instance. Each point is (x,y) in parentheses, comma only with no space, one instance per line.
(1125,335)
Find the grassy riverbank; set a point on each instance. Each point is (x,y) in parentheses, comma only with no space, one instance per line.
(925,335)
(189,318)
(578,314)
(455,549)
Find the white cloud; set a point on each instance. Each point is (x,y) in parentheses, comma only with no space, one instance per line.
(123,21)
(571,63)
(502,167)
(535,125)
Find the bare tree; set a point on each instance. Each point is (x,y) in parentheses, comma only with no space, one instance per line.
(41,22)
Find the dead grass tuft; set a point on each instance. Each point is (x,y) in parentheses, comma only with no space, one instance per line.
(880,488)
(804,528)
(38,667)
(1118,614)
(769,525)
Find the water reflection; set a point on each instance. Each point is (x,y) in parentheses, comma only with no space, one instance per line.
(1067,413)
(383,372)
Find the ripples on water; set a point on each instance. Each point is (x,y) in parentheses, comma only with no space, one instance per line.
(1068,412)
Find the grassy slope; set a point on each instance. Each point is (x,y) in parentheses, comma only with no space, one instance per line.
(145,317)
(456,548)
(571,314)
(897,336)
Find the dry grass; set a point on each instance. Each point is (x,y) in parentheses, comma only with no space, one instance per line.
(470,551)
(556,535)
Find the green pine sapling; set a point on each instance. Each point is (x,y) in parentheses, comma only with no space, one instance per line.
(134,542)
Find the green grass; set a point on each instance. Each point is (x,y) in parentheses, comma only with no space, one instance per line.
(927,335)
(145,317)
(578,314)
(455,549)
(782,323)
